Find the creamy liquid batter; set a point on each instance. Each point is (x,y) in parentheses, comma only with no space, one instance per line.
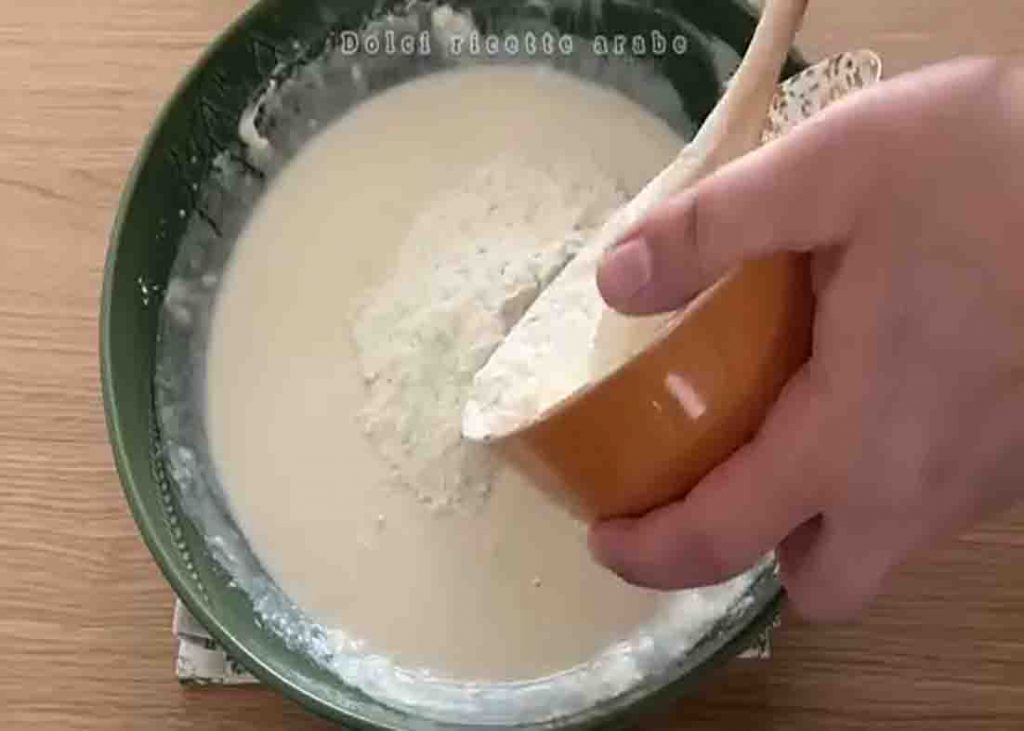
(504,591)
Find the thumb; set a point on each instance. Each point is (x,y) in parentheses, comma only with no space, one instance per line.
(798,193)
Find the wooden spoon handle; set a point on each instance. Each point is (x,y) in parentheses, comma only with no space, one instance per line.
(734,126)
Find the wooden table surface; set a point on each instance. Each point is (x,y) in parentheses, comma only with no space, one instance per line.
(84,612)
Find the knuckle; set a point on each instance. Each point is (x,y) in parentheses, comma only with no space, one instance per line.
(712,555)
(839,597)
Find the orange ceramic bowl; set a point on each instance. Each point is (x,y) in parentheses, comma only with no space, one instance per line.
(650,431)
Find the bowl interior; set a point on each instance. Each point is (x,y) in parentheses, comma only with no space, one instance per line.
(198,125)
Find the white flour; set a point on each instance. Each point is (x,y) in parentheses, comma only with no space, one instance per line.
(568,338)
(490,616)
(371,280)
(474,259)
(495,615)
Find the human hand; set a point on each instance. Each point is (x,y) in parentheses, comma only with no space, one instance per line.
(907,423)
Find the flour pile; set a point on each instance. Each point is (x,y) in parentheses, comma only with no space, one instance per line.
(475,258)
(569,339)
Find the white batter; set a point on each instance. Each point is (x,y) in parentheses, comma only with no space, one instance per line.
(300,424)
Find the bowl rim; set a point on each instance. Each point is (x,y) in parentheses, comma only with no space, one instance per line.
(162,551)
(165,552)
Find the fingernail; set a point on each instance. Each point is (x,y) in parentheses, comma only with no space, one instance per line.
(625,270)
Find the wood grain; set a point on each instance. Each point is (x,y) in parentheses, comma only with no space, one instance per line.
(84,613)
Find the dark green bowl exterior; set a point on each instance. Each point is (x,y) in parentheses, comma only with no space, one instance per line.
(198,122)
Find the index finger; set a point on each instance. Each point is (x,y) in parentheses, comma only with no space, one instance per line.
(798,193)
(804,191)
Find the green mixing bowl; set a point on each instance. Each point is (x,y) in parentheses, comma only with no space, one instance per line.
(199,123)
